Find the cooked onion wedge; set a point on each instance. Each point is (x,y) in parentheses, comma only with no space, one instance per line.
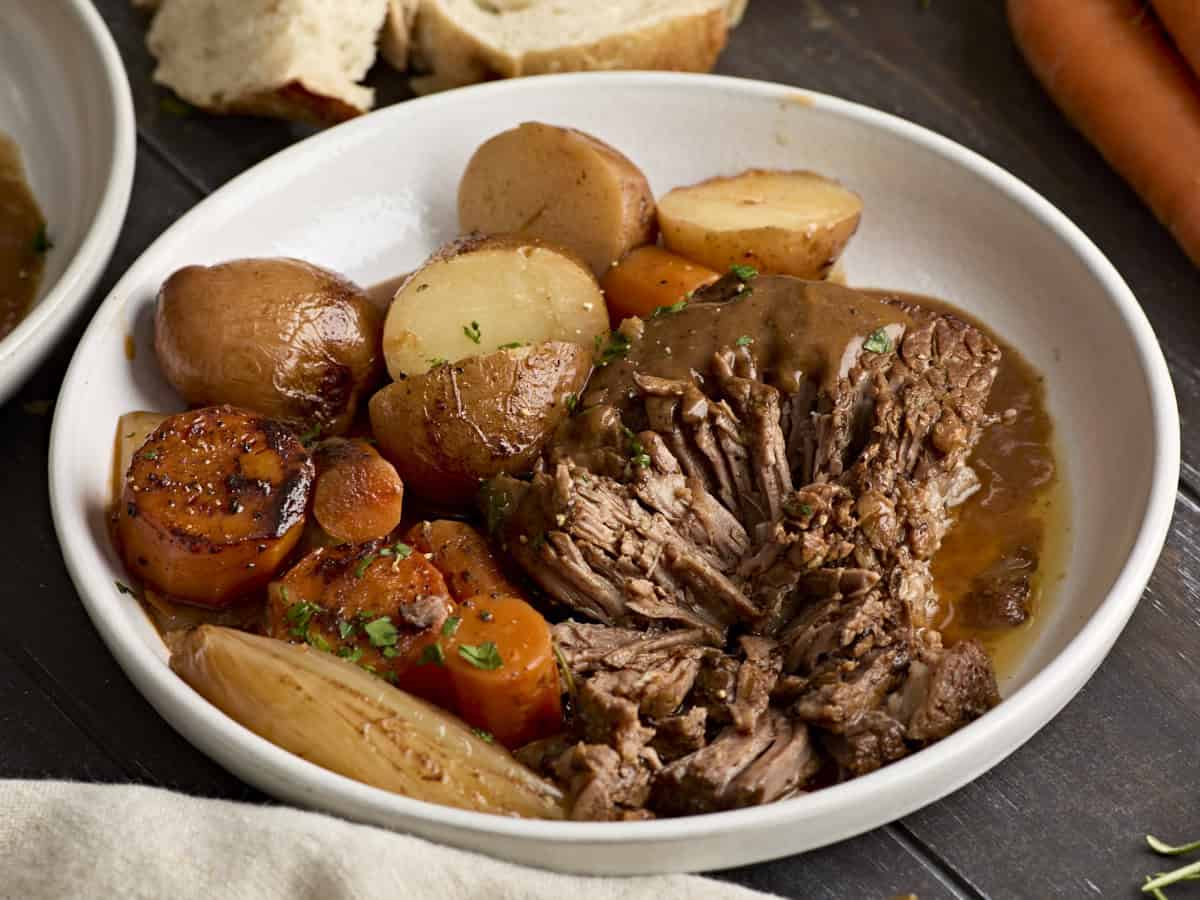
(786,223)
(336,715)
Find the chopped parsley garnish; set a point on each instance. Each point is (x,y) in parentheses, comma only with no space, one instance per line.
(432,656)
(472,332)
(485,736)
(805,509)
(511,345)
(878,341)
(572,402)
(680,306)
(318,642)
(363,564)
(345,628)
(399,549)
(41,241)
(300,614)
(744,341)
(616,347)
(495,508)
(382,632)
(637,452)
(353,654)
(149,454)
(744,273)
(310,437)
(435,361)
(390,652)
(451,625)
(125,589)
(484,656)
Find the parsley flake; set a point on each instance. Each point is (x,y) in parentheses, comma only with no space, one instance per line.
(744,341)
(486,736)
(41,241)
(345,629)
(451,625)
(398,549)
(435,361)
(878,341)
(678,307)
(300,615)
(363,564)
(310,437)
(483,656)
(617,346)
(511,345)
(382,632)
(744,273)
(353,654)
(472,332)
(572,402)
(318,642)
(432,656)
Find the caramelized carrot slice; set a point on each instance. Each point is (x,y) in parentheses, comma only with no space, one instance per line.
(463,556)
(358,497)
(212,504)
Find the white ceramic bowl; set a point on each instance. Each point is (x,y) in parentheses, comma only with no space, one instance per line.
(65,100)
(373,197)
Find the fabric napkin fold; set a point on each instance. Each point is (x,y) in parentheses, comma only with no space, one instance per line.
(70,840)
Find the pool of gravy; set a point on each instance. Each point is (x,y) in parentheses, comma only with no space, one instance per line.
(23,242)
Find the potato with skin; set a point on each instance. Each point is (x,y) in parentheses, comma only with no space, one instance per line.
(559,184)
(478,294)
(458,424)
(213,503)
(358,496)
(784,223)
(281,337)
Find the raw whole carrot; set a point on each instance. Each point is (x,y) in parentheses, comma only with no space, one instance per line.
(1182,21)
(1111,69)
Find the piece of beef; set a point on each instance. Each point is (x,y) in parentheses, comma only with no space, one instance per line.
(961,687)
(677,736)
(592,545)
(738,769)
(867,743)
(1001,595)
(603,787)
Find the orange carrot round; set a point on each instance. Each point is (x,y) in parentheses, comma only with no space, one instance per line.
(503,669)
(649,278)
(1110,68)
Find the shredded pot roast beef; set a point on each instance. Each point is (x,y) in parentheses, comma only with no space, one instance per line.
(744,508)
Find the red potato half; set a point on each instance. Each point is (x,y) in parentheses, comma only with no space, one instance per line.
(561,185)
(784,223)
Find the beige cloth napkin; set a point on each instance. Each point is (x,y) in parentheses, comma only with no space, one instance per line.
(68,840)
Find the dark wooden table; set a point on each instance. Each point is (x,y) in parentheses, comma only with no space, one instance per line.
(1063,817)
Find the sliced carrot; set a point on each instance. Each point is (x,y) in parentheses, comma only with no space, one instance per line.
(381,606)
(503,669)
(1182,20)
(358,497)
(1110,68)
(649,278)
(463,556)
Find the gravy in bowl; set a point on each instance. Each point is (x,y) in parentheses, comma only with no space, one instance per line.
(23,240)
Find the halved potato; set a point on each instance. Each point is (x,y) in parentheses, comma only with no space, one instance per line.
(449,429)
(559,184)
(478,294)
(786,223)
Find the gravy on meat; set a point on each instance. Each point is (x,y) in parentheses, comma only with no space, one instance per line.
(23,242)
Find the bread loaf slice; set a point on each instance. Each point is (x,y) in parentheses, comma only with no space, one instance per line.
(294,59)
(460,42)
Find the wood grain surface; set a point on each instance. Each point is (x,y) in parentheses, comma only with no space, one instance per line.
(1063,817)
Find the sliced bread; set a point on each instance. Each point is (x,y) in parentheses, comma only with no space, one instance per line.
(294,59)
(460,42)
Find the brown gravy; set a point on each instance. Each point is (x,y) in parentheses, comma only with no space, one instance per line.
(23,243)
(1021,505)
